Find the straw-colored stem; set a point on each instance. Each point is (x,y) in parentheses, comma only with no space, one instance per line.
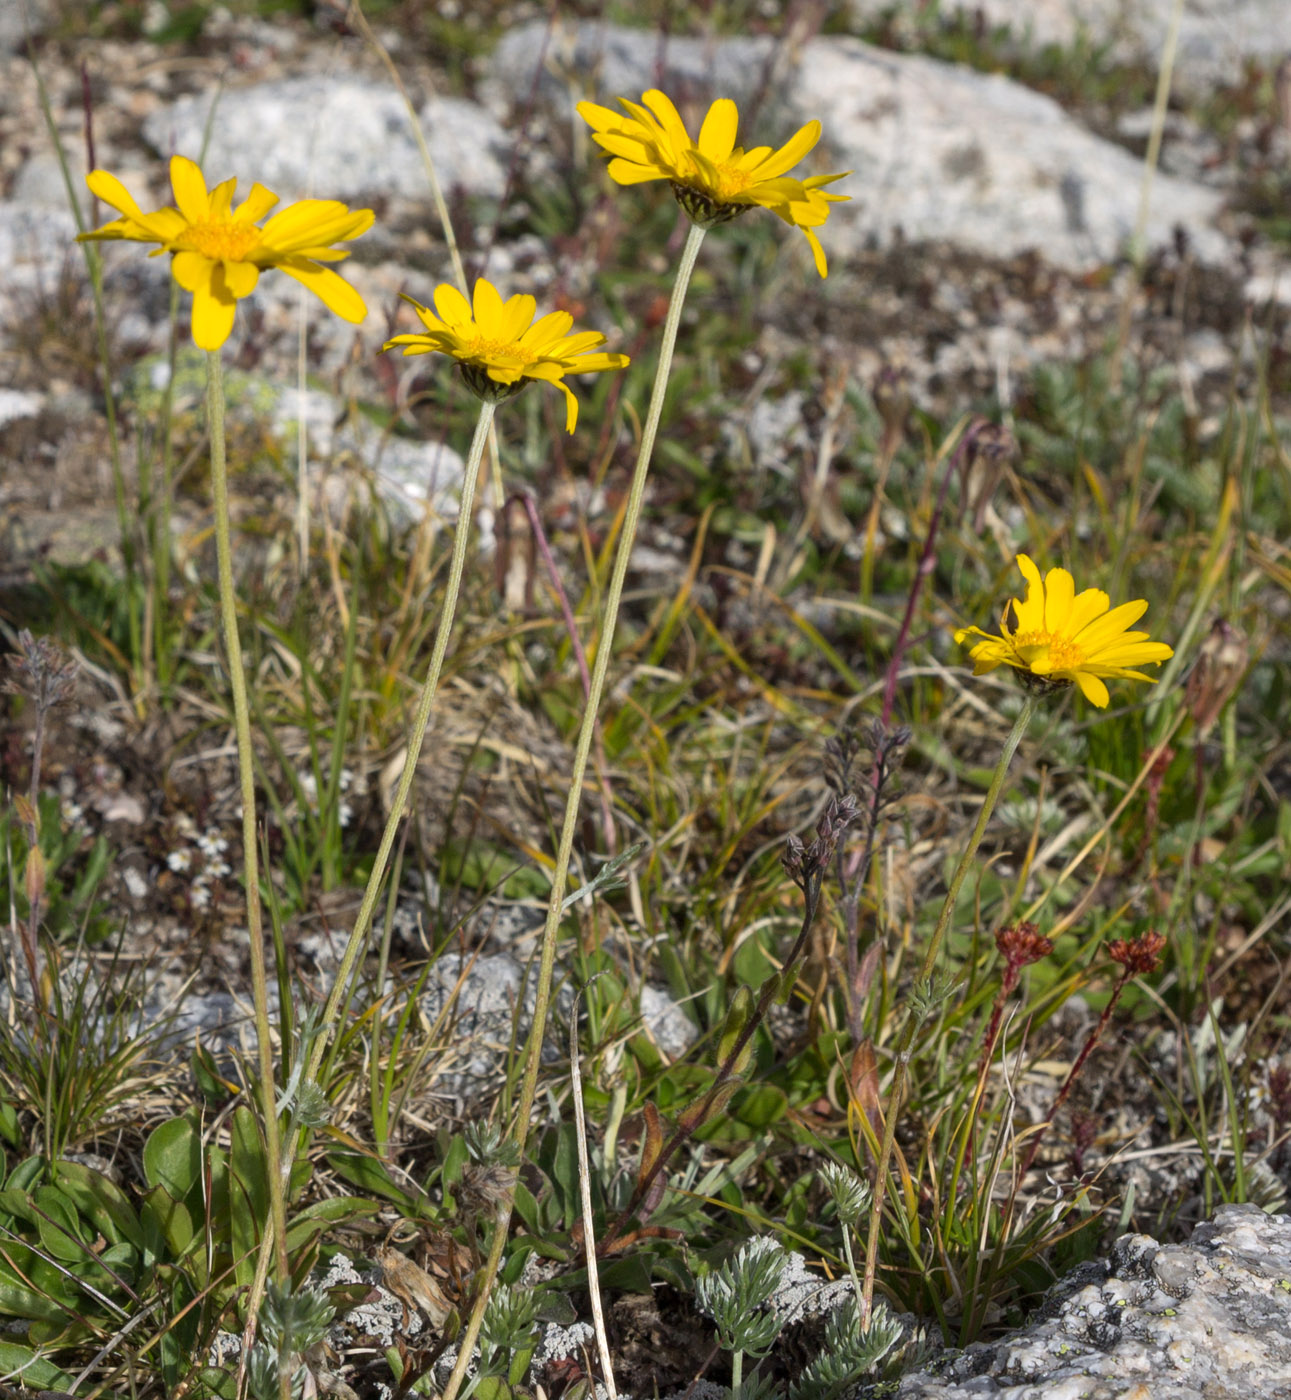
(421,719)
(547,960)
(246,776)
(911,1028)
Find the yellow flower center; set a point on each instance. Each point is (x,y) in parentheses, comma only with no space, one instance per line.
(480,348)
(226,240)
(1064,654)
(733,181)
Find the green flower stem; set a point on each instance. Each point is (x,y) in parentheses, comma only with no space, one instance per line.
(246,774)
(911,1028)
(609,621)
(372,892)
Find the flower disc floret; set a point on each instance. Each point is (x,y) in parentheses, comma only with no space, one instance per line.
(1056,636)
(499,347)
(218,251)
(713,179)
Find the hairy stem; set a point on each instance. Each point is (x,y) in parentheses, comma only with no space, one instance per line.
(609,621)
(246,777)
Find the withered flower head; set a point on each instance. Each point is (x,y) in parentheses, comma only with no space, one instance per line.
(1138,956)
(1022,943)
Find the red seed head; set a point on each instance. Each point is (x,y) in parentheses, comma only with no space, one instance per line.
(1022,943)
(1140,955)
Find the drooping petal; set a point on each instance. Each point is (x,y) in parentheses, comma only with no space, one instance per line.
(1092,688)
(241,278)
(213,311)
(191,269)
(331,289)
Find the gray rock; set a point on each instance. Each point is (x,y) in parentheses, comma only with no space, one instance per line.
(1211,1317)
(19,403)
(1216,37)
(410,476)
(668,1025)
(937,151)
(18,19)
(340,137)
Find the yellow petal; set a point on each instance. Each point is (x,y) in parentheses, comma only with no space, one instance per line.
(717,135)
(256,205)
(220,199)
(518,313)
(111,191)
(790,153)
(1092,689)
(191,197)
(241,278)
(1059,591)
(213,312)
(661,105)
(1029,612)
(191,269)
(489,315)
(1109,627)
(817,252)
(331,289)
(452,306)
(546,330)
(624,172)
(1088,605)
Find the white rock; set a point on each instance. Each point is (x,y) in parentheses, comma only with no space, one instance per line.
(333,138)
(1216,37)
(17,403)
(937,151)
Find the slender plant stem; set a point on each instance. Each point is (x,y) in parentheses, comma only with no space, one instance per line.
(911,1027)
(418,732)
(547,960)
(246,775)
(526,498)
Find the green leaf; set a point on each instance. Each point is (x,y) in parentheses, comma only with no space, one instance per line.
(172,1156)
(248,1193)
(100,1201)
(9,1129)
(18,1362)
(171,1218)
(17,1301)
(59,1225)
(759,1105)
(369,1175)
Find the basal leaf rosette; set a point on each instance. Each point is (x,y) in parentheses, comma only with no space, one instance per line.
(499,347)
(218,250)
(1056,636)
(714,179)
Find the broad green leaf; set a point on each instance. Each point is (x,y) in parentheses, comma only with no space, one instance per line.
(18,1362)
(172,1156)
(100,1201)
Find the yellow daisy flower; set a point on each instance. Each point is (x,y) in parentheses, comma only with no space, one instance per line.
(499,346)
(219,251)
(713,178)
(1056,636)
